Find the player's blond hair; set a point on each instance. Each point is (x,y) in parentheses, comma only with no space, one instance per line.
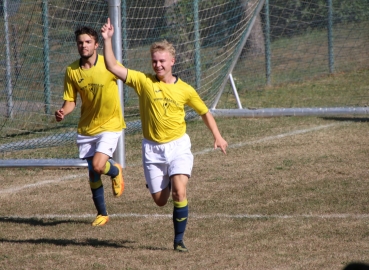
(163,45)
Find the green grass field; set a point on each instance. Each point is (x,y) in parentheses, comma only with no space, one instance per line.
(291,193)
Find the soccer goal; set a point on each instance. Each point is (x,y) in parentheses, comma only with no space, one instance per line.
(222,45)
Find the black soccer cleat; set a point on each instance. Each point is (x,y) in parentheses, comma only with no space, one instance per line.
(180,247)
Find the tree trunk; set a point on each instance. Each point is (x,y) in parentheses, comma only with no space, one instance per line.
(255,44)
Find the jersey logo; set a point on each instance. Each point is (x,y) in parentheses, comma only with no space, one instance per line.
(80,80)
(157,91)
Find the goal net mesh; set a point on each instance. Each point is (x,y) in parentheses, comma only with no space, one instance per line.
(210,40)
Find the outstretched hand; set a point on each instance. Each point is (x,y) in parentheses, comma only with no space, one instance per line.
(222,144)
(107,30)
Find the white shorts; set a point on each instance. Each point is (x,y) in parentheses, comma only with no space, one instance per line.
(162,160)
(105,143)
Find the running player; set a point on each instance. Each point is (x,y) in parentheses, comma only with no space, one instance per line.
(101,120)
(166,148)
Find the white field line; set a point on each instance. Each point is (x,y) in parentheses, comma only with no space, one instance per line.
(41,183)
(195,216)
(270,138)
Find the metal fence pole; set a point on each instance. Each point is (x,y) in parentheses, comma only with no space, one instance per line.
(116,21)
(268,69)
(330,36)
(45,32)
(9,84)
(197,43)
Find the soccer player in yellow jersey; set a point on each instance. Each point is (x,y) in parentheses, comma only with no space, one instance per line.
(166,148)
(101,120)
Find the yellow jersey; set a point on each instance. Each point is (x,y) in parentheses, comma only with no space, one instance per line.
(162,105)
(100,110)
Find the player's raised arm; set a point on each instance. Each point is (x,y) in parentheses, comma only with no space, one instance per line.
(111,64)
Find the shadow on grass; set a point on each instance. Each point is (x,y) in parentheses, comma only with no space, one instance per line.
(82,242)
(357,266)
(70,242)
(38,222)
(346,119)
(67,242)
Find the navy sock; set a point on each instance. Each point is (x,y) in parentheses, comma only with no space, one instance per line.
(180,215)
(99,201)
(97,190)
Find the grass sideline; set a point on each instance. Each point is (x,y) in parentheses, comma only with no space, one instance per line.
(290,194)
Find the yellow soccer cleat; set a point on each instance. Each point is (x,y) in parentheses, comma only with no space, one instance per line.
(118,181)
(100,220)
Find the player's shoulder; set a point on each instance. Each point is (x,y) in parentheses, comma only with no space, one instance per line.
(74,65)
(183,84)
(135,74)
(100,58)
(100,66)
(100,62)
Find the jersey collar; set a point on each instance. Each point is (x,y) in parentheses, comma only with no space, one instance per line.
(80,61)
(175,75)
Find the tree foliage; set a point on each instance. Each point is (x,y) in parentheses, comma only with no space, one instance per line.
(291,17)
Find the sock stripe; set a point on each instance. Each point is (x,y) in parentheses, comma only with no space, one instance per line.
(107,167)
(96,185)
(180,204)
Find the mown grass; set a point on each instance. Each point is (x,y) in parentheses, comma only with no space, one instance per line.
(339,90)
(277,200)
(306,57)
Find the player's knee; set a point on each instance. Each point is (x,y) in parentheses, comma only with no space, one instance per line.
(161,203)
(161,198)
(178,196)
(98,169)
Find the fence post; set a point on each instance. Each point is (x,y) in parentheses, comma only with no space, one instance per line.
(9,84)
(45,33)
(330,36)
(267,44)
(116,20)
(197,43)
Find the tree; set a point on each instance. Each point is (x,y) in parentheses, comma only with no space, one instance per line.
(255,44)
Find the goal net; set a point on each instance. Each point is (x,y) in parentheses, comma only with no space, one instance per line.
(224,48)
(40,44)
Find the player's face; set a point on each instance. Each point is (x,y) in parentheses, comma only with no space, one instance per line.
(162,63)
(86,46)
